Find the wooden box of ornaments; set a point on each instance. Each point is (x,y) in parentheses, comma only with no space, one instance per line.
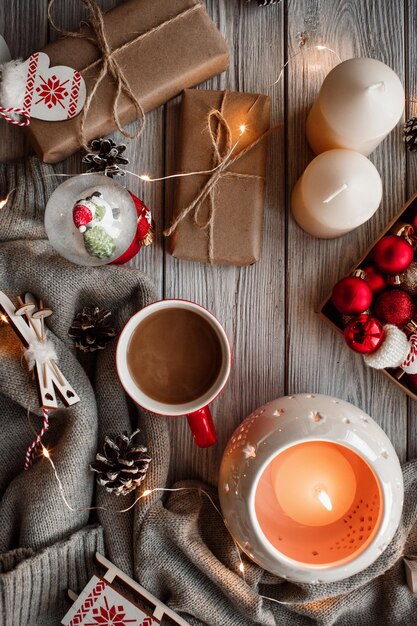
(375,306)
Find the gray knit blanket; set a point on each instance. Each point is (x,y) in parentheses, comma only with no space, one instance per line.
(176,546)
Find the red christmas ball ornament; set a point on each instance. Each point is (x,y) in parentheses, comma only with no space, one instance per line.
(144,232)
(352,295)
(364,334)
(374,278)
(393,254)
(394,306)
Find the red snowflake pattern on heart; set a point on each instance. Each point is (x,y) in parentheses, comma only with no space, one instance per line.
(52,92)
(110,616)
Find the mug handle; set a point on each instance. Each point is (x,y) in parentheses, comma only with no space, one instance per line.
(202,427)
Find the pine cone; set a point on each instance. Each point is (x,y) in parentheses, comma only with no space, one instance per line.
(92,329)
(98,242)
(105,156)
(410,134)
(123,465)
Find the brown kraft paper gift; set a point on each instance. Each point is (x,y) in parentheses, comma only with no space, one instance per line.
(185,49)
(234,236)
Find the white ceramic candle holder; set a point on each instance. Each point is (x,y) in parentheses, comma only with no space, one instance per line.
(311,488)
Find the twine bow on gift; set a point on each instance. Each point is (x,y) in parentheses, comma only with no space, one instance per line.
(223,151)
(109,64)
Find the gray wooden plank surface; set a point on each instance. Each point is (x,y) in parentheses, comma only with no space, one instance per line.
(248,301)
(279,344)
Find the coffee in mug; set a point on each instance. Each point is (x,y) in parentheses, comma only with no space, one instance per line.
(173,358)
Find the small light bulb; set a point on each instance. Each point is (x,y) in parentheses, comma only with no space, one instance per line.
(242,568)
(147,492)
(145,177)
(4,319)
(242,128)
(321,47)
(45,453)
(3,203)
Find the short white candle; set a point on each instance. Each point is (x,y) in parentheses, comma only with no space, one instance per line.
(339,191)
(360,102)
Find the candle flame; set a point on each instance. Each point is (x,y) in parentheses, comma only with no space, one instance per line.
(324,499)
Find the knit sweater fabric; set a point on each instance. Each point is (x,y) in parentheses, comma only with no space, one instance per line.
(176,545)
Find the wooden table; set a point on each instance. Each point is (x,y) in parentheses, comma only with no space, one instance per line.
(280,345)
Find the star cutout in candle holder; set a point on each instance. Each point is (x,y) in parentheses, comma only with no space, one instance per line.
(249,451)
(315,417)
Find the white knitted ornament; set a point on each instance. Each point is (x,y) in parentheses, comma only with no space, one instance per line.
(410,363)
(393,350)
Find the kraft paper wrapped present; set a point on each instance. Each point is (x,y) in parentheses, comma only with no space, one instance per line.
(218,217)
(162,47)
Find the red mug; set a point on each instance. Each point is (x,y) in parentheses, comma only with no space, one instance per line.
(197,412)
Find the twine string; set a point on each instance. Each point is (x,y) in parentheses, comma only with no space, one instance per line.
(109,65)
(221,144)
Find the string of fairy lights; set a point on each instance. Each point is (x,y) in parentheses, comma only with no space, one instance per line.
(145,494)
(146,178)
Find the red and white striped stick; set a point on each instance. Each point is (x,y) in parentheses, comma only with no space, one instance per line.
(32,448)
(19,122)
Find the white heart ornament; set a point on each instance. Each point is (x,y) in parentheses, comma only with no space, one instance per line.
(52,94)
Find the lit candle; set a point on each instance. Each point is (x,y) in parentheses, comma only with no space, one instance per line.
(339,191)
(360,102)
(314,484)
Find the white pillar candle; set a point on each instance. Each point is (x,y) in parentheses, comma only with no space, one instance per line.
(360,102)
(339,191)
